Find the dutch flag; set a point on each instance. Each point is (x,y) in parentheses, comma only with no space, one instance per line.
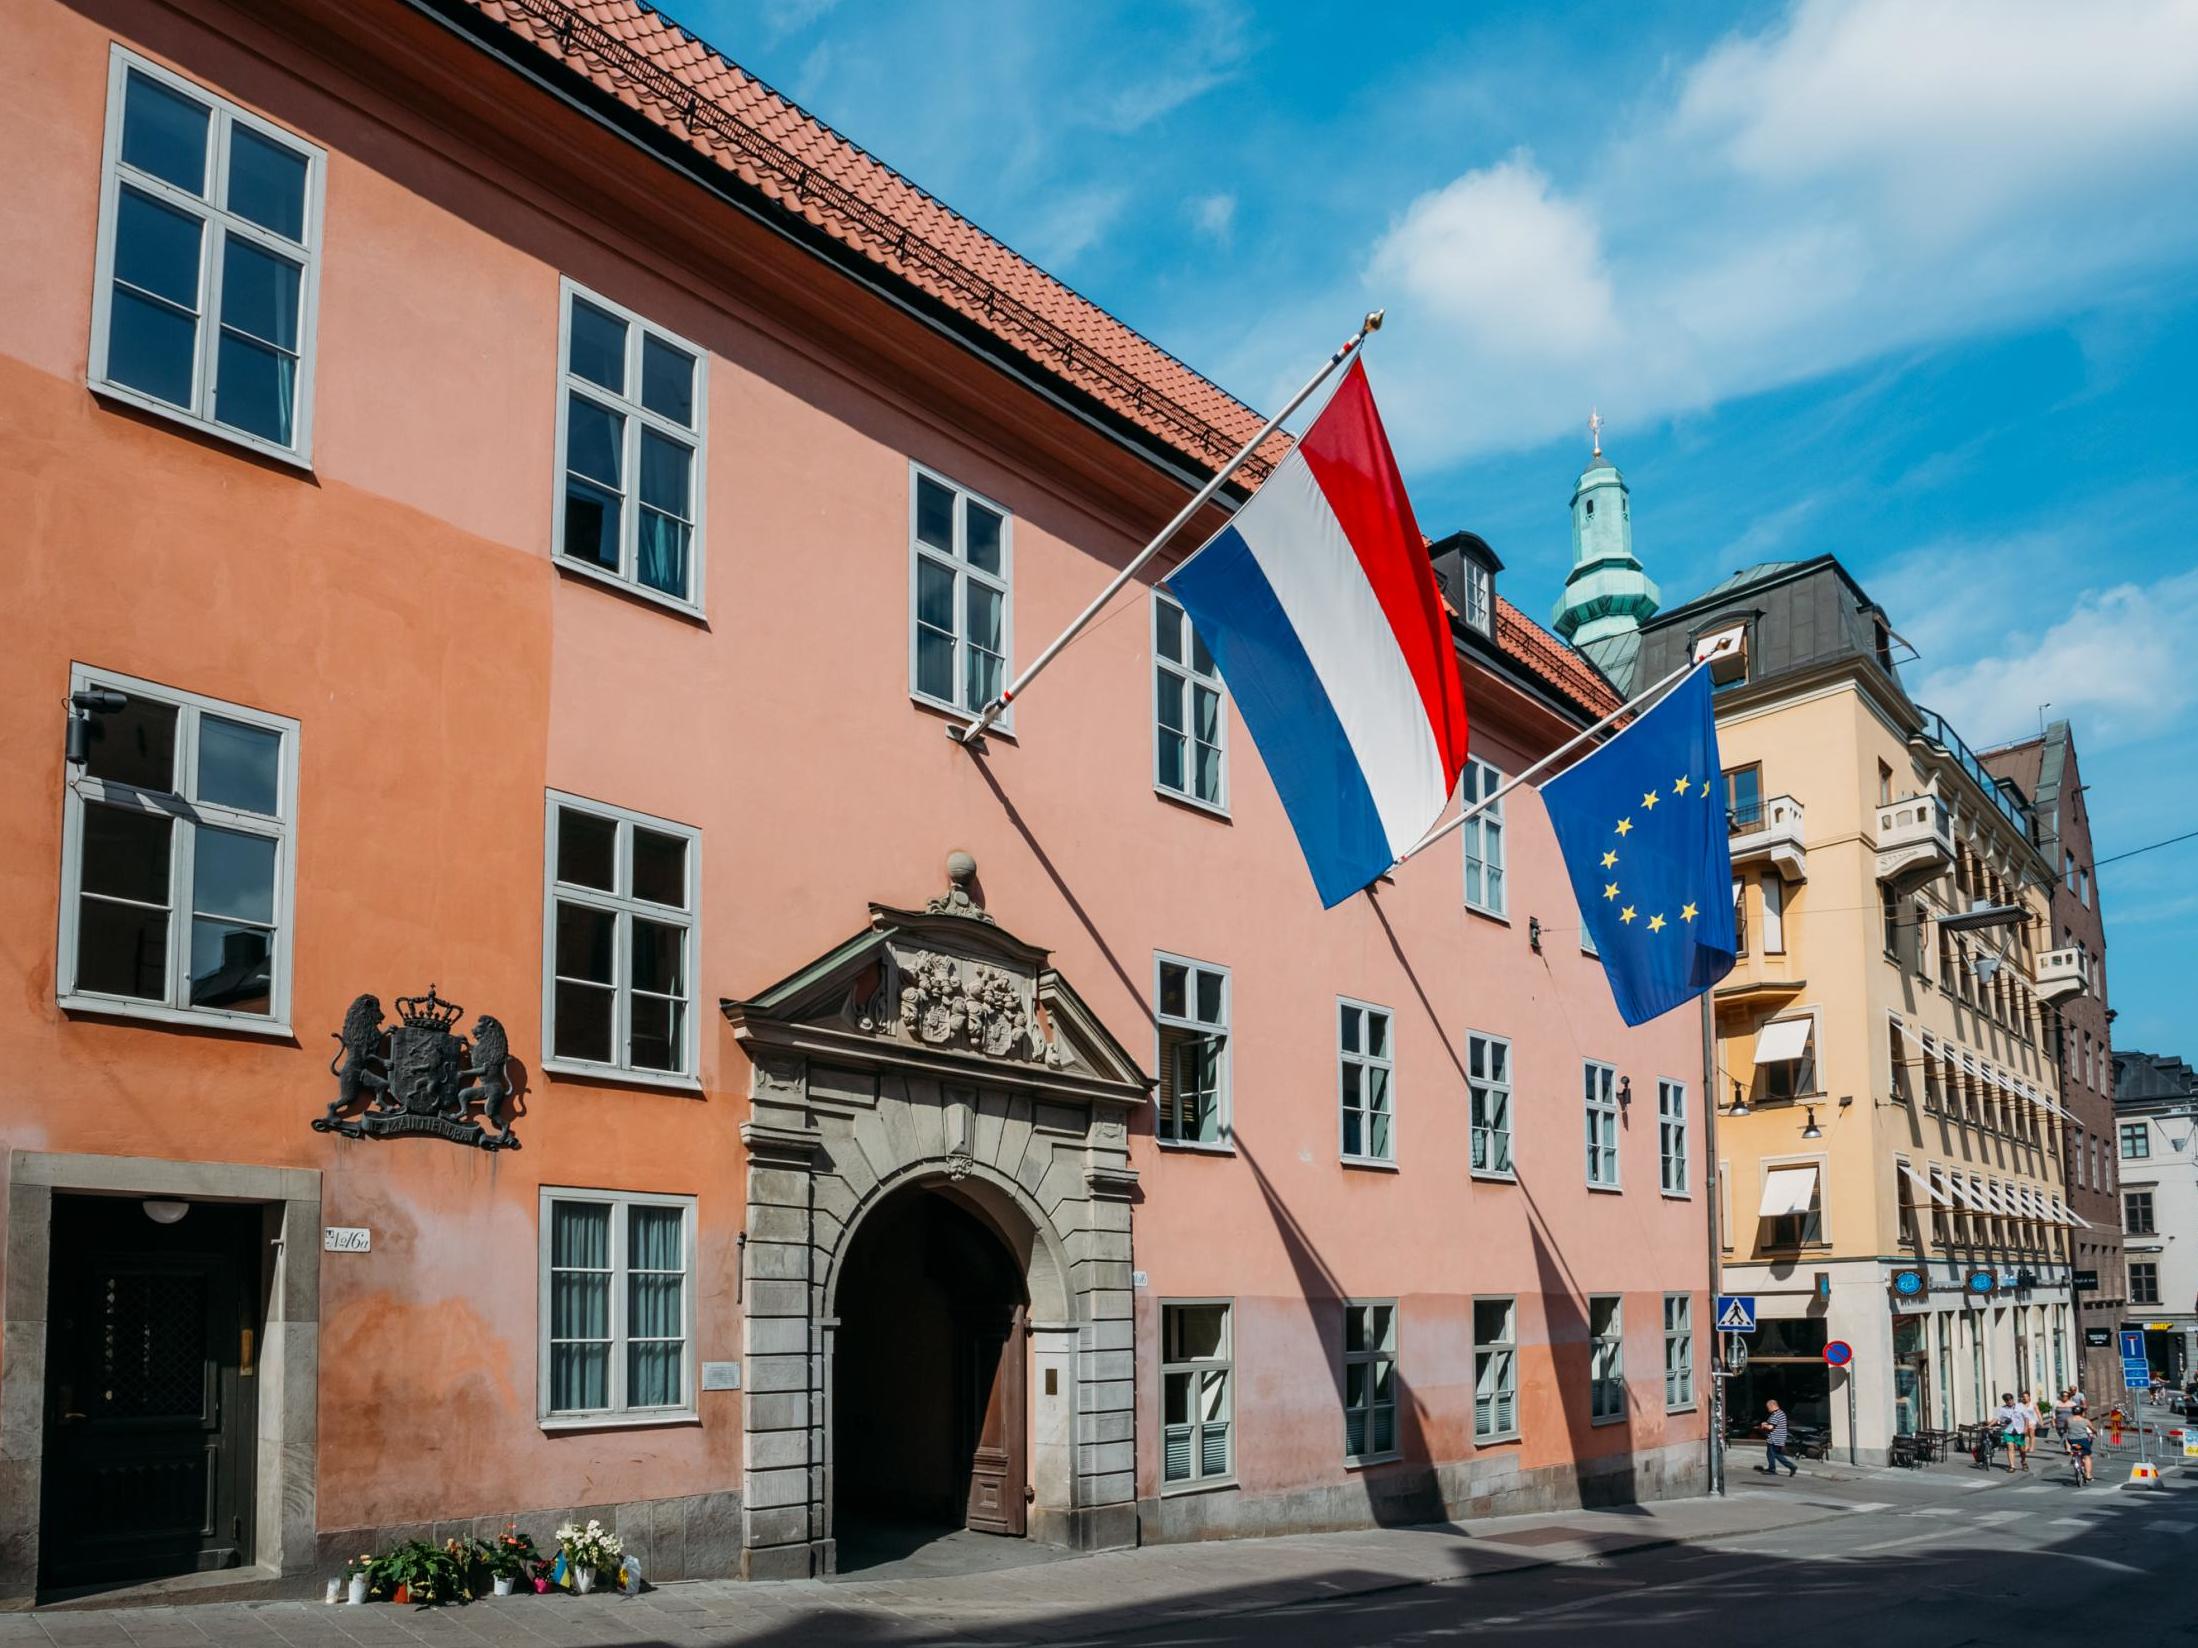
(1318,602)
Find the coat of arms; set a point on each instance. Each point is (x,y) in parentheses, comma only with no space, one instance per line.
(418,1076)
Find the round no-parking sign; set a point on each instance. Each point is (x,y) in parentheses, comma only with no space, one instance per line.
(1838,1353)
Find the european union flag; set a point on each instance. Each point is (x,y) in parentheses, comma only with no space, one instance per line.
(1641,824)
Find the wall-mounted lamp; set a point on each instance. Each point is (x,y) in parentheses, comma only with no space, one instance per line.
(1810,1130)
(1625,1091)
(83,706)
(1534,934)
(163,1212)
(1739,1102)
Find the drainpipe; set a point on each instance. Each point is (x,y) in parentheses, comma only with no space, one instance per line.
(1713,1182)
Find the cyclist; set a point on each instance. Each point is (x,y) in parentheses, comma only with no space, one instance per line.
(2079,1447)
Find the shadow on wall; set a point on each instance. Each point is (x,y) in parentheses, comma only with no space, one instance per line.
(1399,1492)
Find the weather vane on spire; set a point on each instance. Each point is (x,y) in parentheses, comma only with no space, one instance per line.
(1595,431)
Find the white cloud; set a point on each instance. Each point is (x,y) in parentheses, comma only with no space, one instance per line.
(2114,665)
(1184,71)
(1068,224)
(1214,215)
(1860,179)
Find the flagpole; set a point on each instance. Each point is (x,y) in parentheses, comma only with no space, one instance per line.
(992,711)
(1566,748)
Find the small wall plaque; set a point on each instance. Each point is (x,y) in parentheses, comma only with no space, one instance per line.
(721,1376)
(1139,1280)
(347,1239)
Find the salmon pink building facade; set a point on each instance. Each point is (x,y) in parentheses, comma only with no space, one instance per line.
(518,1006)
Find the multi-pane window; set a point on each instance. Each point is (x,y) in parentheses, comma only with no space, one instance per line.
(959,567)
(2136,1141)
(1196,1375)
(1365,1073)
(617,1301)
(1671,1136)
(1194,1052)
(2137,1213)
(177,859)
(629,441)
(2144,1282)
(1606,1369)
(1495,1369)
(1190,718)
(1484,839)
(1599,1093)
(1488,1077)
(1678,1351)
(619,994)
(209,254)
(1480,598)
(1370,1380)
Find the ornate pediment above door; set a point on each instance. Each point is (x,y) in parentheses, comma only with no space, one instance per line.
(944,989)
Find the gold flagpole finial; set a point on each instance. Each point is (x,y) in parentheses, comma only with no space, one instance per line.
(1595,431)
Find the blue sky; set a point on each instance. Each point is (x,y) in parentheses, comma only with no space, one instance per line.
(1911,281)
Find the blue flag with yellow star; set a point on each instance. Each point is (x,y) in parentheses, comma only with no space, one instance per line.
(1641,824)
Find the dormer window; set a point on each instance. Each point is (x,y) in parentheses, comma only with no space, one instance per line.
(1480,598)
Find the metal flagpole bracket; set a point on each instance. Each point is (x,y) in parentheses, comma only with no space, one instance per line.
(972,734)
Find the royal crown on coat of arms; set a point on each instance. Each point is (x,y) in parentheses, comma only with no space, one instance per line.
(420,1076)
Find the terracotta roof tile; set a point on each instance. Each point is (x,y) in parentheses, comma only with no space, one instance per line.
(672,77)
(657,68)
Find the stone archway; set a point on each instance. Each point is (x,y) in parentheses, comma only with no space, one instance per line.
(935,1050)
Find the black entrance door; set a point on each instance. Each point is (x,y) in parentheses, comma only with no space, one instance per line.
(151,1335)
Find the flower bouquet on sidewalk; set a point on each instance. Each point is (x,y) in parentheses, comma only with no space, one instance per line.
(511,1558)
(583,1553)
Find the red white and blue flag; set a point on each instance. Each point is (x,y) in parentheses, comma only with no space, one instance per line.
(1320,605)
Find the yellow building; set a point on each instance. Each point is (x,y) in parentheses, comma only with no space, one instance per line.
(1889,1147)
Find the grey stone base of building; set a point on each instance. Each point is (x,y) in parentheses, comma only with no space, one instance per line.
(693,1536)
(1398,1495)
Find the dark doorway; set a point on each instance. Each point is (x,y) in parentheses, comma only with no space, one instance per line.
(929,1402)
(152,1332)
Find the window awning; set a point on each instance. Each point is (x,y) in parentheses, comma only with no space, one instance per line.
(1782,1041)
(1787,1191)
(1969,1197)
(1929,1189)
(2070,1216)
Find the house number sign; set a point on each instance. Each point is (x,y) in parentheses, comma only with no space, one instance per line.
(347,1239)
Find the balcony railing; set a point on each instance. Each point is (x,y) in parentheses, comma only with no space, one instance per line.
(1915,841)
(1938,732)
(2064,973)
(1770,830)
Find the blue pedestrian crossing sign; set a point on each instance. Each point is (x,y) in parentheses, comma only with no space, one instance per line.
(1736,1313)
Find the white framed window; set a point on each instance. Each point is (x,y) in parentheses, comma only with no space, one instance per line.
(1366,1081)
(1606,1366)
(619,942)
(1197,1394)
(1484,840)
(1480,597)
(2144,1282)
(1678,1352)
(961,619)
(616,1306)
(1192,1010)
(1495,1369)
(2136,1141)
(631,400)
(208,262)
(178,860)
(1369,1380)
(1671,1136)
(1488,1078)
(1190,715)
(1599,1094)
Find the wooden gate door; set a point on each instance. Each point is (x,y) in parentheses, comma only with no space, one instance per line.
(998,1467)
(149,1393)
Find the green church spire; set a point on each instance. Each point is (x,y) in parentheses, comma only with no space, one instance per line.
(1607,595)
